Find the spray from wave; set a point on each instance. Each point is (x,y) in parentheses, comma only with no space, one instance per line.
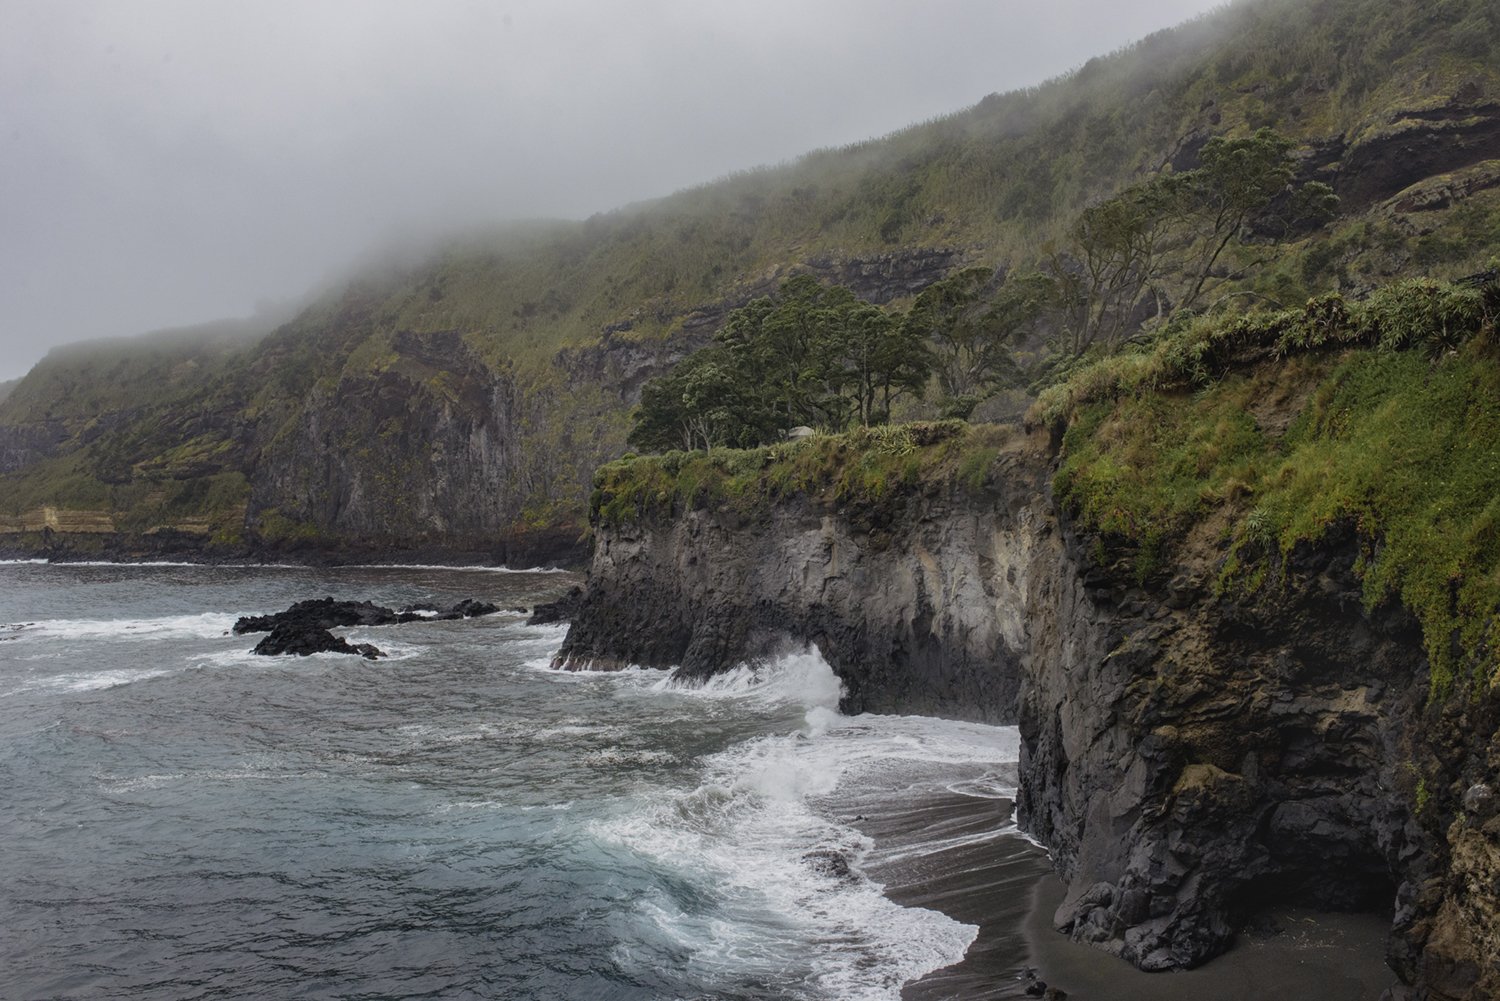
(770,882)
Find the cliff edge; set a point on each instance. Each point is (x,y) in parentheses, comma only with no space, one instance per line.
(1198,742)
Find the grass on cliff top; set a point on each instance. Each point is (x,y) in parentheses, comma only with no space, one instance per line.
(863,468)
(1383,416)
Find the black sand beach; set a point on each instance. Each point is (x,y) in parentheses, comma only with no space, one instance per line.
(1005,886)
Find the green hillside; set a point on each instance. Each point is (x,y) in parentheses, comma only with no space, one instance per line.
(540,335)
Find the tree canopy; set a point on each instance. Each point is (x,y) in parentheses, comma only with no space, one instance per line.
(817,355)
(810,354)
(1165,242)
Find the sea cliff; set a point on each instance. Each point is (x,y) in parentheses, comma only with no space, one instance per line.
(1191,754)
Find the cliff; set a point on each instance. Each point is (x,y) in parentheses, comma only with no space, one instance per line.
(1193,749)
(917,598)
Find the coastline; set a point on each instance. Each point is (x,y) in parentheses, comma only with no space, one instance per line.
(1004,884)
(245,565)
(565,547)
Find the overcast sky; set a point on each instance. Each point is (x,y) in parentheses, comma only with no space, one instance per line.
(169,162)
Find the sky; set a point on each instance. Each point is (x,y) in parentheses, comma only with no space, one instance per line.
(168,162)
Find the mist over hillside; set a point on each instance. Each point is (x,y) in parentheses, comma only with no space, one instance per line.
(458,399)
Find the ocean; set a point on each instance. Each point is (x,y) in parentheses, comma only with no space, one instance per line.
(182,819)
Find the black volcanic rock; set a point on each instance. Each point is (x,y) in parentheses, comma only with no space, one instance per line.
(325,613)
(469,608)
(831,863)
(562,610)
(303,640)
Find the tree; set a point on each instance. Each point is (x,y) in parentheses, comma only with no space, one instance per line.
(809,354)
(972,322)
(1168,236)
(879,359)
(773,340)
(1240,180)
(1116,255)
(703,401)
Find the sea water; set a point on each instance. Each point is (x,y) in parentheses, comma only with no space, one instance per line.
(182,819)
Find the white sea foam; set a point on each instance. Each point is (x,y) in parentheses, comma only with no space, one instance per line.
(202,626)
(119,563)
(744,833)
(441,566)
(393,650)
(615,756)
(802,677)
(92,681)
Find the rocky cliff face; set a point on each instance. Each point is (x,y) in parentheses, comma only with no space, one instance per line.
(1189,757)
(919,607)
(1196,758)
(429,443)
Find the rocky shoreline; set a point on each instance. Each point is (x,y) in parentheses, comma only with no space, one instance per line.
(564,548)
(1190,757)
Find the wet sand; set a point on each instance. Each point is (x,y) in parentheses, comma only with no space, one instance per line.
(942,852)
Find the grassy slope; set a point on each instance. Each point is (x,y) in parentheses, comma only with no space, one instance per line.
(1382,416)
(999,180)
(855,471)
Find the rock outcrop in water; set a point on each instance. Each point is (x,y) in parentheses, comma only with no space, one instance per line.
(326,613)
(1188,756)
(305,640)
(303,629)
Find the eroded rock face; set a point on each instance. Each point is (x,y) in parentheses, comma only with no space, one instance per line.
(1206,757)
(1412,146)
(427,447)
(1188,755)
(919,608)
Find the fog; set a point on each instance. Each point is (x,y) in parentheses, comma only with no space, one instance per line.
(164,163)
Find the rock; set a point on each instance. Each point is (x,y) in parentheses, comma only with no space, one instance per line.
(470,608)
(830,863)
(562,610)
(1189,757)
(303,640)
(325,613)
(1480,802)
(918,603)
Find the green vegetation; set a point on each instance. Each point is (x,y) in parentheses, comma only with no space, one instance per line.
(809,355)
(856,471)
(1382,416)
(818,356)
(1168,237)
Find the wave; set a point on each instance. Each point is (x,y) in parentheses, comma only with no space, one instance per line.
(205,625)
(777,894)
(84,681)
